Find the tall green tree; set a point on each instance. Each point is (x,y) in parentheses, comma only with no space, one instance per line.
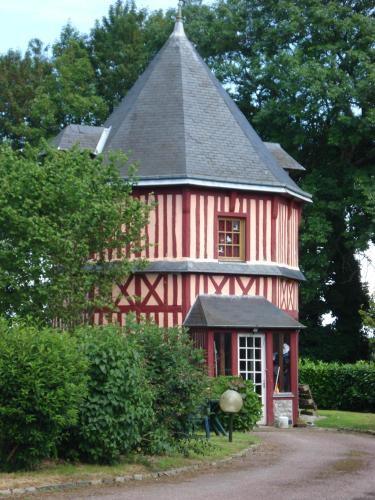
(20,78)
(60,214)
(68,94)
(42,92)
(123,43)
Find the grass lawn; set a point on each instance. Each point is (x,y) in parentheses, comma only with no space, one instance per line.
(52,473)
(346,420)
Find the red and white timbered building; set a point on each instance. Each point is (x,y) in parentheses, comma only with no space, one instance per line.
(222,239)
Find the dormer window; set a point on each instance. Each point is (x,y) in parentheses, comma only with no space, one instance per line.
(231,239)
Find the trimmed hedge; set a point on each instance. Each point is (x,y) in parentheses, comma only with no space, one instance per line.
(42,384)
(339,386)
(252,408)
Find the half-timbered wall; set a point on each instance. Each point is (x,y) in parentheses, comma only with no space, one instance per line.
(183,225)
(166,298)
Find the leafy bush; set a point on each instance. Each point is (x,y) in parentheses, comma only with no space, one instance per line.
(176,372)
(340,386)
(251,411)
(42,382)
(117,411)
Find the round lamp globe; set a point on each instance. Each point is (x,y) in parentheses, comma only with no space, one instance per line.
(231,401)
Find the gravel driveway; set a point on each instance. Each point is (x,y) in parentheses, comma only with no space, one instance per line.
(295,464)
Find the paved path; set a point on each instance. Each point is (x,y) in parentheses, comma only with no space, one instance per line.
(295,464)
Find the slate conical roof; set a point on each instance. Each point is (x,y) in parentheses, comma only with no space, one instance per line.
(183,128)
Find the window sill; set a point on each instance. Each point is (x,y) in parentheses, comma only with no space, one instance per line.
(230,259)
(283,395)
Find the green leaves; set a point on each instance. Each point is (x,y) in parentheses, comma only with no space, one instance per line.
(42,384)
(58,210)
(340,386)
(251,411)
(117,411)
(175,370)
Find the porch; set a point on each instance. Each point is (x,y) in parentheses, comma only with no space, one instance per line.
(251,338)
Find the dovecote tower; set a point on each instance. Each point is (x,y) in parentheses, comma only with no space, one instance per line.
(222,241)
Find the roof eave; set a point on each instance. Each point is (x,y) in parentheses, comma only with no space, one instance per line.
(248,326)
(178,181)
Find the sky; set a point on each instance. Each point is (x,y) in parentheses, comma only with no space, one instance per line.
(22,20)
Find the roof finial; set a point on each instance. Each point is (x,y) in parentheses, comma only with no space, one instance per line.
(179,27)
(179,10)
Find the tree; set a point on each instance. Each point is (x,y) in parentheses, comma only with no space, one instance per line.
(57,210)
(41,94)
(68,94)
(123,43)
(118,53)
(20,79)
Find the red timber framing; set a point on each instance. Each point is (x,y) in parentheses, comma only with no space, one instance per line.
(167,297)
(183,224)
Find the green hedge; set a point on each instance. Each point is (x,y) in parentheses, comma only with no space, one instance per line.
(42,384)
(252,408)
(117,410)
(340,386)
(175,370)
(144,383)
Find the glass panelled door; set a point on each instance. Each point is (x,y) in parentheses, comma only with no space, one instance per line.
(252,363)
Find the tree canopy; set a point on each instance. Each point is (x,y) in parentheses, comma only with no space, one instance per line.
(301,71)
(60,213)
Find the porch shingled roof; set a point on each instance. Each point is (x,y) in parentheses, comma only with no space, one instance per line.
(231,311)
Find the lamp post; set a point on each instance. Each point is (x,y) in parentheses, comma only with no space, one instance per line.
(231,402)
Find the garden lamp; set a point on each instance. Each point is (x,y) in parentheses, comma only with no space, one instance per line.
(231,402)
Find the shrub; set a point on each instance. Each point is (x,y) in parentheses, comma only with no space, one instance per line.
(42,382)
(251,411)
(340,386)
(117,411)
(176,373)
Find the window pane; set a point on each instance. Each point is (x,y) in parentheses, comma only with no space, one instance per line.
(250,366)
(281,362)
(223,353)
(230,238)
